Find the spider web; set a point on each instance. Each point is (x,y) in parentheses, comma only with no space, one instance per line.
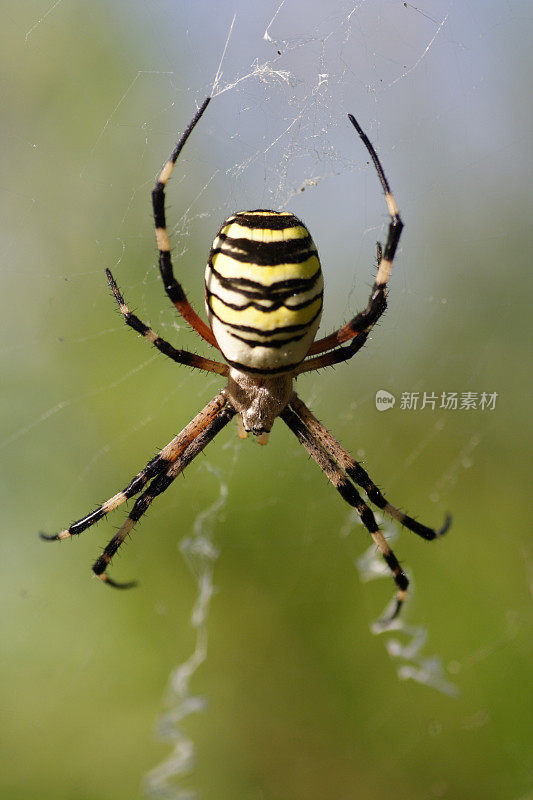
(282,77)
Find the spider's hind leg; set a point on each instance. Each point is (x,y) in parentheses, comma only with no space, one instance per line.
(179,356)
(173,288)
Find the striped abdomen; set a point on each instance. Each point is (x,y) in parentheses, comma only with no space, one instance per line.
(264,287)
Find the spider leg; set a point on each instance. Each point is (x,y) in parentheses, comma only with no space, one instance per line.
(334,356)
(158,485)
(350,494)
(155,466)
(358,329)
(362,323)
(180,356)
(174,289)
(356,472)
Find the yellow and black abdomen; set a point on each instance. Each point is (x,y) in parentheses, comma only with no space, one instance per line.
(263,291)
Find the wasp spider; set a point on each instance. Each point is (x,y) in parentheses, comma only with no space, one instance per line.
(263,295)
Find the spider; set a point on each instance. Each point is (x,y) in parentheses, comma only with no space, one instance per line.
(263,296)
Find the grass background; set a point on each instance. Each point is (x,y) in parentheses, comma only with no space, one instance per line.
(302,700)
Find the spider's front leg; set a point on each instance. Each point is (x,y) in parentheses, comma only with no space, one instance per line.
(340,467)
(350,494)
(176,455)
(158,486)
(355,471)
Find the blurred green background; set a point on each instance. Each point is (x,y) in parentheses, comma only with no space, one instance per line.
(301,699)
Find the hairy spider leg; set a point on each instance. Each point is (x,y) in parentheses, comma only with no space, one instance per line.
(179,356)
(165,458)
(174,289)
(363,322)
(350,494)
(157,487)
(356,472)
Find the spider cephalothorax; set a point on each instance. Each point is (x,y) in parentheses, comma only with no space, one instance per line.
(264,288)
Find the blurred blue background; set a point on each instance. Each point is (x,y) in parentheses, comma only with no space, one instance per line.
(301,699)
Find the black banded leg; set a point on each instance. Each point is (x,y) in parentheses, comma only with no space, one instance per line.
(396,224)
(158,485)
(180,356)
(355,332)
(377,303)
(350,494)
(174,289)
(358,327)
(155,466)
(334,356)
(360,476)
